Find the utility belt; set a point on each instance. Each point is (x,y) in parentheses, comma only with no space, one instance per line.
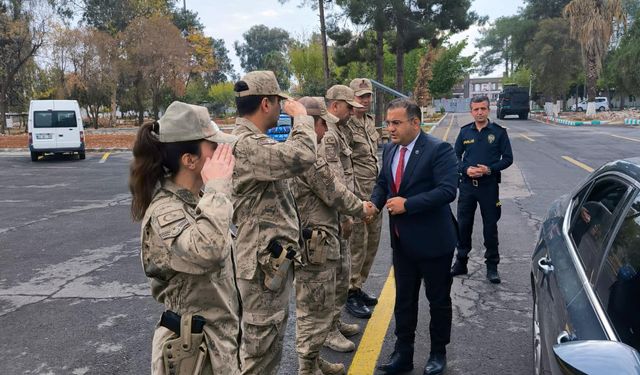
(186,353)
(485,180)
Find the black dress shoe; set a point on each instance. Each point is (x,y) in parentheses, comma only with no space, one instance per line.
(436,364)
(398,363)
(459,267)
(355,307)
(367,299)
(492,274)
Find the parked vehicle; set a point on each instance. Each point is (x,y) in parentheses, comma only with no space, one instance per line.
(602,104)
(55,126)
(513,100)
(585,277)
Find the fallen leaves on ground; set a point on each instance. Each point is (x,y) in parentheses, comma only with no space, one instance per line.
(99,141)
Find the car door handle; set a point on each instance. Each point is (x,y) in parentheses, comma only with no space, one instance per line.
(563,337)
(545,265)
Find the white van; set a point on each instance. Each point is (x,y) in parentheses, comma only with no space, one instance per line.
(55,126)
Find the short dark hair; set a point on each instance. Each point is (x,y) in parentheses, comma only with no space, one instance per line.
(412,108)
(480,99)
(247,105)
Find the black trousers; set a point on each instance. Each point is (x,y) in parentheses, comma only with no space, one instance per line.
(435,274)
(486,194)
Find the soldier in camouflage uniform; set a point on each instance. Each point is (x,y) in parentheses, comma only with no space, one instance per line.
(265,214)
(366,236)
(181,192)
(320,196)
(335,148)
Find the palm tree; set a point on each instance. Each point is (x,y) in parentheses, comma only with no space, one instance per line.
(592,23)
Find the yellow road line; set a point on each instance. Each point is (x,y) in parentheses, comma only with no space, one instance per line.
(365,359)
(579,164)
(104,157)
(446,134)
(627,138)
(529,138)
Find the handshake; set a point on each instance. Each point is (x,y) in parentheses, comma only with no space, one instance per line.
(370,211)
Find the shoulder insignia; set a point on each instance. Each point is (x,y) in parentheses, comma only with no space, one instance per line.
(266,141)
(320,162)
(330,152)
(469,124)
(170,217)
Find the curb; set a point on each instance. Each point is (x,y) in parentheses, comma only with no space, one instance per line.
(436,124)
(631,121)
(562,121)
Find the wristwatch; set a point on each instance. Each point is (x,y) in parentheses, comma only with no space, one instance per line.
(488,171)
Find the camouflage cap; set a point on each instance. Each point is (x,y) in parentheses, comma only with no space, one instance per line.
(342,92)
(361,86)
(316,107)
(187,122)
(261,82)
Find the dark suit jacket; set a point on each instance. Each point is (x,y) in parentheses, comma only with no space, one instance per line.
(429,183)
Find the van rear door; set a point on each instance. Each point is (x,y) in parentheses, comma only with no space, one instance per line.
(44,134)
(66,125)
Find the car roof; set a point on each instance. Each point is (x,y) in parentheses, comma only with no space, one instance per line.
(629,167)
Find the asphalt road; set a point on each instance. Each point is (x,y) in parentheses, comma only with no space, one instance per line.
(74,299)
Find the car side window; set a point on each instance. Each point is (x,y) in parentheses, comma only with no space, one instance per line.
(618,285)
(592,222)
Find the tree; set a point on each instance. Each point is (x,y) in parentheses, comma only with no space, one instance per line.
(94,78)
(504,42)
(449,68)
(543,9)
(113,16)
(592,23)
(265,49)
(552,58)
(222,97)
(224,70)
(308,67)
(622,68)
(319,5)
(158,61)
(22,31)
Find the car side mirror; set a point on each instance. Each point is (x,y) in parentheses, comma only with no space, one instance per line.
(590,357)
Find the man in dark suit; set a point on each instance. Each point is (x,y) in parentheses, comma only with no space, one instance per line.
(417,182)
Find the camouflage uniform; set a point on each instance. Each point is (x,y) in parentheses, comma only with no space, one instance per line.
(365,237)
(264,211)
(335,149)
(320,196)
(186,251)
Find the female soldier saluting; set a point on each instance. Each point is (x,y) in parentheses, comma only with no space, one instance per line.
(186,244)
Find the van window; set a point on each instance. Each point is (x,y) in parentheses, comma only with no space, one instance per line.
(54,119)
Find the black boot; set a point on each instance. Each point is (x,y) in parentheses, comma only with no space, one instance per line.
(492,273)
(367,299)
(399,362)
(356,307)
(436,364)
(460,266)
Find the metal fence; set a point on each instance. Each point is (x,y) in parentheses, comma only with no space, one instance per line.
(457,105)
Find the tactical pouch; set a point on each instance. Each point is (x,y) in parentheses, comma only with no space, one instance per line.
(276,271)
(316,247)
(186,354)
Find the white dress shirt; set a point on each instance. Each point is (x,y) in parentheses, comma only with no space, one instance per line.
(396,157)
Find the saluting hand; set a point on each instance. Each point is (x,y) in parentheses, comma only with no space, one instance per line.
(220,165)
(293,108)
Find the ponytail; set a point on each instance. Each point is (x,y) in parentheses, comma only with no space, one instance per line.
(146,169)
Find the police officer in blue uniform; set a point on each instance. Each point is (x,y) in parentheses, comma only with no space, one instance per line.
(483,150)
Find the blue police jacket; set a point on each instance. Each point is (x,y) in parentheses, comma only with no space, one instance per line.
(489,146)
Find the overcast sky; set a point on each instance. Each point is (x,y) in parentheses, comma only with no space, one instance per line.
(229,19)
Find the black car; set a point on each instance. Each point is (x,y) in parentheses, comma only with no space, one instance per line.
(513,100)
(585,277)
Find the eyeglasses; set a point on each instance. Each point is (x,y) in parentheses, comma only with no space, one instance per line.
(397,122)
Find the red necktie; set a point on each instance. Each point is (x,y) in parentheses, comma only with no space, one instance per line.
(400,170)
(398,180)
